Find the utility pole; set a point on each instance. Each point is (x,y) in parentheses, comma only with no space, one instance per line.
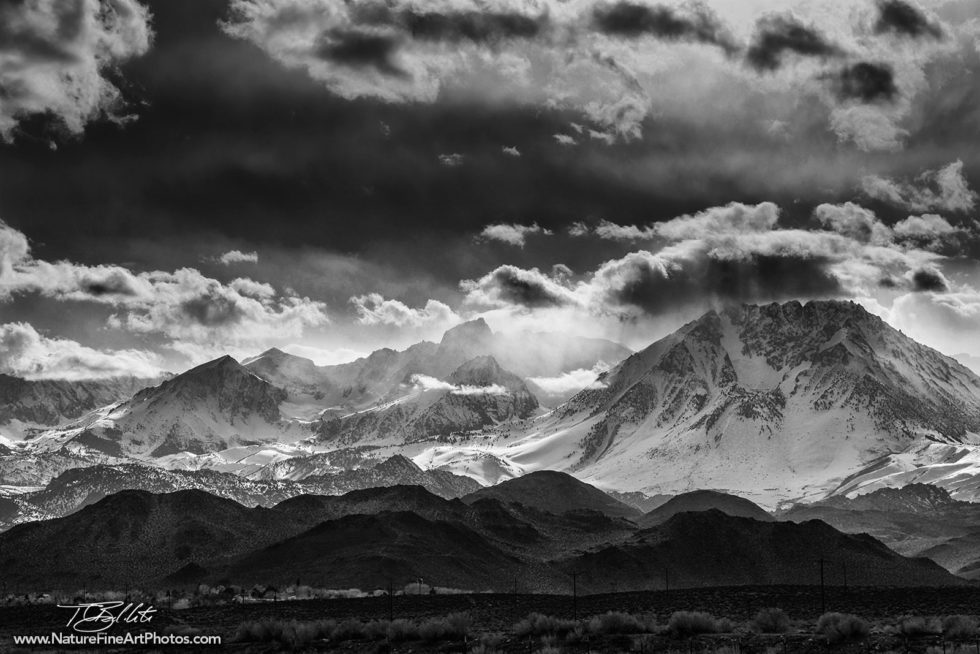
(666,582)
(574,596)
(844,564)
(391,601)
(823,598)
(420,586)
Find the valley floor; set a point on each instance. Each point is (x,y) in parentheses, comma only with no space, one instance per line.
(494,618)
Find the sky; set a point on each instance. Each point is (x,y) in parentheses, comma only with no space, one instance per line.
(181,179)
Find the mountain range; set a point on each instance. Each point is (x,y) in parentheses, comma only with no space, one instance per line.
(780,405)
(368,538)
(777,403)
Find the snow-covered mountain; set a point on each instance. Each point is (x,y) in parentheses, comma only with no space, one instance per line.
(212,407)
(477,395)
(771,402)
(81,487)
(28,406)
(361,384)
(776,403)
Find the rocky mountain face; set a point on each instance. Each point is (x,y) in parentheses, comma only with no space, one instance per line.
(80,487)
(712,548)
(704,500)
(51,402)
(916,520)
(554,492)
(368,538)
(772,402)
(209,408)
(362,383)
(477,395)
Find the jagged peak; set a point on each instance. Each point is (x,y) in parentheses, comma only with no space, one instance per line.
(396,463)
(221,364)
(471,330)
(277,357)
(483,370)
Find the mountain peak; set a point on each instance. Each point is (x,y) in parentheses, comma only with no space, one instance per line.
(481,371)
(472,332)
(223,363)
(554,492)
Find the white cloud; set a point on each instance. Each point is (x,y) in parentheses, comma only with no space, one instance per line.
(613,232)
(733,218)
(54,56)
(945,189)
(572,381)
(870,129)
(511,151)
(26,353)
(512,234)
(427,383)
(183,305)
(374,309)
(237,256)
(492,389)
(509,285)
(854,221)
(730,253)
(322,356)
(554,54)
(948,322)
(452,160)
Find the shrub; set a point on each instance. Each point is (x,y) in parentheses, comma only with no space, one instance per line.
(691,623)
(841,627)
(267,630)
(537,624)
(724,626)
(349,630)
(617,622)
(401,629)
(913,626)
(452,626)
(957,627)
(771,621)
(262,631)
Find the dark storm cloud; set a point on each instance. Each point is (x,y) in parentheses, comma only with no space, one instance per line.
(478,27)
(631,20)
(115,283)
(654,289)
(513,286)
(866,82)
(929,280)
(777,36)
(360,50)
(35,44)
(903,18)
(212,310)
(59,60)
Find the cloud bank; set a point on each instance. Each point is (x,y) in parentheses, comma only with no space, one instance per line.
(55,59)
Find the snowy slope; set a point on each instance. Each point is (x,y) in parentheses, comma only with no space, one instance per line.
(773,403)
(213,407)
(28,407)
(477,395)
